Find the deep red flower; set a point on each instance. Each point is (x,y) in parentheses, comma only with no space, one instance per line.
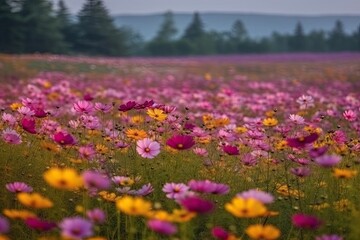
(39,224)
(88,97)
(219,233)
(39,112)
(181,142)
(301,142)
(64,138)
(144,104)
(197,204)
(301,220)
(231,150)
(28,124)
(128,106)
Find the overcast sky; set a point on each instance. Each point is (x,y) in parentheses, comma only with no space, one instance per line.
(312,7)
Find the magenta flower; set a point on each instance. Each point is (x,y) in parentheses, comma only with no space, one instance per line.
(329,237)
(328,160)
(95,180)
(301,142)
(197,204)
(39,113)
(64,138)
(76,228)
(4,225)
(87,152)
(147,148)
(259,195)
(350,115)
(162,227)
(144,104)
(11,136)
(39,224)
(181,142)
(231,150)
(249,160)
(96,215)
(83,106)
(219,233)
(317,152)
(128,106)
(175,190)
(8,119)
(304,221)
(301,171)
(17,187)
(143,191)
(207,186)
(102,107)
(88,97)
(28,124)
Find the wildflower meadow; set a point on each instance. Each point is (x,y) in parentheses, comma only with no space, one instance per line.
(236,147)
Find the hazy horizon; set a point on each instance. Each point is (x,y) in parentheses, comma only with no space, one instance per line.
(277,7)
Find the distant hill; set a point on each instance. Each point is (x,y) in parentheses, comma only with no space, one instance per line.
(258,25)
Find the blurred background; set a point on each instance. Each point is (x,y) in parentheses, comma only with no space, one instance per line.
(178,28)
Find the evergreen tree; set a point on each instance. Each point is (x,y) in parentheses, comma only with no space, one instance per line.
(316,41)
(297,42)
(239,37)
(337,37)
(167,29)
(97,34)
(66,26)
(195,30)
(40,28)
(10,32)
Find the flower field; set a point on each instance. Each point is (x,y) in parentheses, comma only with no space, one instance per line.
(239,147)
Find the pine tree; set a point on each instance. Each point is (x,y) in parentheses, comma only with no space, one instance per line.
(238,31)
(10,28)
(65,24)
(97,34)
(195,30)
(297,41)
(41,31)
(337,37)
(167,29)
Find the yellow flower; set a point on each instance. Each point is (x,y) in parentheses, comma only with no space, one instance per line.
(262,232)
(137,119)
(320,206)
(246,208)
(281,145)
(136,134)
(3,237)
(18,214)
(342,205)
(220,122)
(286,191)
(97,238)
(161,215)
(15,106)
(63,178)
(182,215)
(102,149)
(157,114)
(46,84)
(50,147)
(108,196)
(135,206)
(34,200)
(241,129)
(344,173)
(207,76)
(270,122)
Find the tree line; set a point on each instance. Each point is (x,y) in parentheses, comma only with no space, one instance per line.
(33,26)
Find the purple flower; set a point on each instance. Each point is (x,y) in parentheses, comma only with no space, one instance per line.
(301,142)
(197,204)
(208,187)
(64,138)
(231,150)
(305,221)
(144,190)
(96,215)
(28,124)
(249,160)
(328,160)
(95,180)
(162,227)
(329,237)
(181,142)
(39,224)
(261,196)
(175,190)
(11,136)
(76,228)
(83,107)
(301,171)
(128,106)
(17,187)
(4,225)
(219,233)
(144,104)
(317,152)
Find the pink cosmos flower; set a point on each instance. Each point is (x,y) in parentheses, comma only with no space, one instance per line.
(350,115)
(328,160)
(197,204)
(8,119)
(305,102)
(17,187)
(127,107)
(11,136)
(220,233)
(76,228)
(208,186)
(201,152)
(25,111)
(96,215)
(175,190)
(147,148)
(64,138)
(102,107)
(296,119)
(85,107)
(39,224)
(181,142)
(162,227)
(301,142)
(28,124)
(259,195)
(301,220)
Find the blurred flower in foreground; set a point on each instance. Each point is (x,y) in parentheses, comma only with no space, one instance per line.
(301,220)
(17,187)
(34,200)
(246,208)
(262,232)
(162,227)
(63,178)
(76,228)
(135,206)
